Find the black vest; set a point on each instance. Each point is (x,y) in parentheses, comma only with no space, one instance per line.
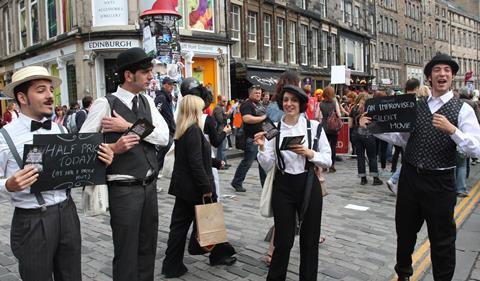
(428,147)
(142,157)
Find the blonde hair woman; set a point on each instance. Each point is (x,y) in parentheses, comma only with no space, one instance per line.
(191,182)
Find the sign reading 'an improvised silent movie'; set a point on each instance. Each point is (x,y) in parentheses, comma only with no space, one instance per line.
(391,114)
(68,161)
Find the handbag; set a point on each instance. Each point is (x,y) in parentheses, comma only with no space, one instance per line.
(266,197)
(210,224)
(95,200)
(323,186)
(168,162)
(334,124)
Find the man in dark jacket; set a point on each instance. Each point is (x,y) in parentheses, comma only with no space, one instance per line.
(163,102)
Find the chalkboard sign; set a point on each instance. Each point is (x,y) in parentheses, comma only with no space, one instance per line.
(391,114)
(69,160)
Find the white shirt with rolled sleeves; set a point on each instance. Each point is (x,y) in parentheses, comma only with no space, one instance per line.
(466,136)
(294,163)
(101,109)
(19,131)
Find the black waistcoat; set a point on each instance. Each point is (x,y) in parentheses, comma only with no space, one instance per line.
(142,157)
(428,147)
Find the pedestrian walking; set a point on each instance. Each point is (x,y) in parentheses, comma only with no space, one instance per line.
(192,183)
(132,177)
(253,114)
(291,193)
(426,190)
(330,108)
(45,233)
(164,104)
(220,116)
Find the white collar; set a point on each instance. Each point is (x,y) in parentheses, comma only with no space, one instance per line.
(444,98)
(124,94)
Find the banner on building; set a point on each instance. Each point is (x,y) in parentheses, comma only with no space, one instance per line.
(110,12)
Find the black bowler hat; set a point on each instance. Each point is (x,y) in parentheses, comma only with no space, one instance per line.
(440,58)
(301,95)
(131,57)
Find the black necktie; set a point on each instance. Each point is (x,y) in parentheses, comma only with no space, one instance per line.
(135,105)
(37,125)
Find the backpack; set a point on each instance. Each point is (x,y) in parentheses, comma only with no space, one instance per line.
(72,122)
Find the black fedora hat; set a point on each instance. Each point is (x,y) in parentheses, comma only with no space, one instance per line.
(440,58)
(131,57)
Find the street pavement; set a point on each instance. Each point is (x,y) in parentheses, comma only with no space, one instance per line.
(360,245)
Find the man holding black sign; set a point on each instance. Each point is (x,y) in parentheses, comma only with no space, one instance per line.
(45,233)
(426,190)
(131,120)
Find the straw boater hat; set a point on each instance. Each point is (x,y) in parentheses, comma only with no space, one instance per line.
(30,73)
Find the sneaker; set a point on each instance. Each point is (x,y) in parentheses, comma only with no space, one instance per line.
(363,181)
(377,181)
(238,188)
(462,194)
(392,187)
(332,169)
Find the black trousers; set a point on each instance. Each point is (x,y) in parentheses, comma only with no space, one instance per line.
(183,215)
(429,197)
(287,197)
(47,244)
(382,152)
(134,222)
(396,155)
(332,140)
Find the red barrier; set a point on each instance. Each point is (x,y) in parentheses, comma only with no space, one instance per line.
(343,138)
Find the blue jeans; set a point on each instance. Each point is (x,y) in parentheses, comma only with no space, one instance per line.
(461,174)
(250,154)
(394,178)
(221,151)
(362,144)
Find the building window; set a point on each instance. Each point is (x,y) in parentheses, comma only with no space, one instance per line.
(267,37)
(342,10)
(348,13)
(380,26)
(323,8)
(334,49)
(252,35)
(291,42)
(315,47)
(371,22)
(51,18)
(236,32)
(356,16)
(22,23)
(396,53)
(7,31)
(303,44)
(324,49)
(33,11)
(280,40)
(381,51)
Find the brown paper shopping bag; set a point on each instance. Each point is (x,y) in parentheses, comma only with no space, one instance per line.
(210,224)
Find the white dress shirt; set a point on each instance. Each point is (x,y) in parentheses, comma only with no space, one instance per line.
(294,163)
(101,108)
(466,136)
(19,131)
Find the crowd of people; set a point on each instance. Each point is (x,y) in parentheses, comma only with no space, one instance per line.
(435,158)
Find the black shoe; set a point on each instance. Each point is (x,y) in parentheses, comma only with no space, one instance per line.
(405,278)
(228,261)
(239,188)
(175,274)
(332,169)
(363,181)
(377,181)
(227,165)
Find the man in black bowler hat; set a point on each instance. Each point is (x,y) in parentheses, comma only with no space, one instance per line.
(426,189)
(132,177)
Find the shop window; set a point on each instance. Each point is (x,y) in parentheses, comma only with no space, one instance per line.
(111,77)
(72,83)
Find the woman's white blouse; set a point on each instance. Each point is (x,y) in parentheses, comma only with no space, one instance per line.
(294,163)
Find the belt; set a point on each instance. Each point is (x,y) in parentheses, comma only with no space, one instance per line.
(60,205)
(432,171)
(132,182)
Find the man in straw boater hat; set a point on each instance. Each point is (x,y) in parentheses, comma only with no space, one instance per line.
(426,189)
(132,177)
(45,232)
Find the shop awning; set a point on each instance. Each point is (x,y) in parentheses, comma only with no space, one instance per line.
(267,80)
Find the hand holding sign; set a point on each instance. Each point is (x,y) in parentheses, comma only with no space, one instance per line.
(22,179)
(390,114)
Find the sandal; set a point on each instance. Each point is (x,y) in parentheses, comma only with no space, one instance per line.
(322,239)
(268,259)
